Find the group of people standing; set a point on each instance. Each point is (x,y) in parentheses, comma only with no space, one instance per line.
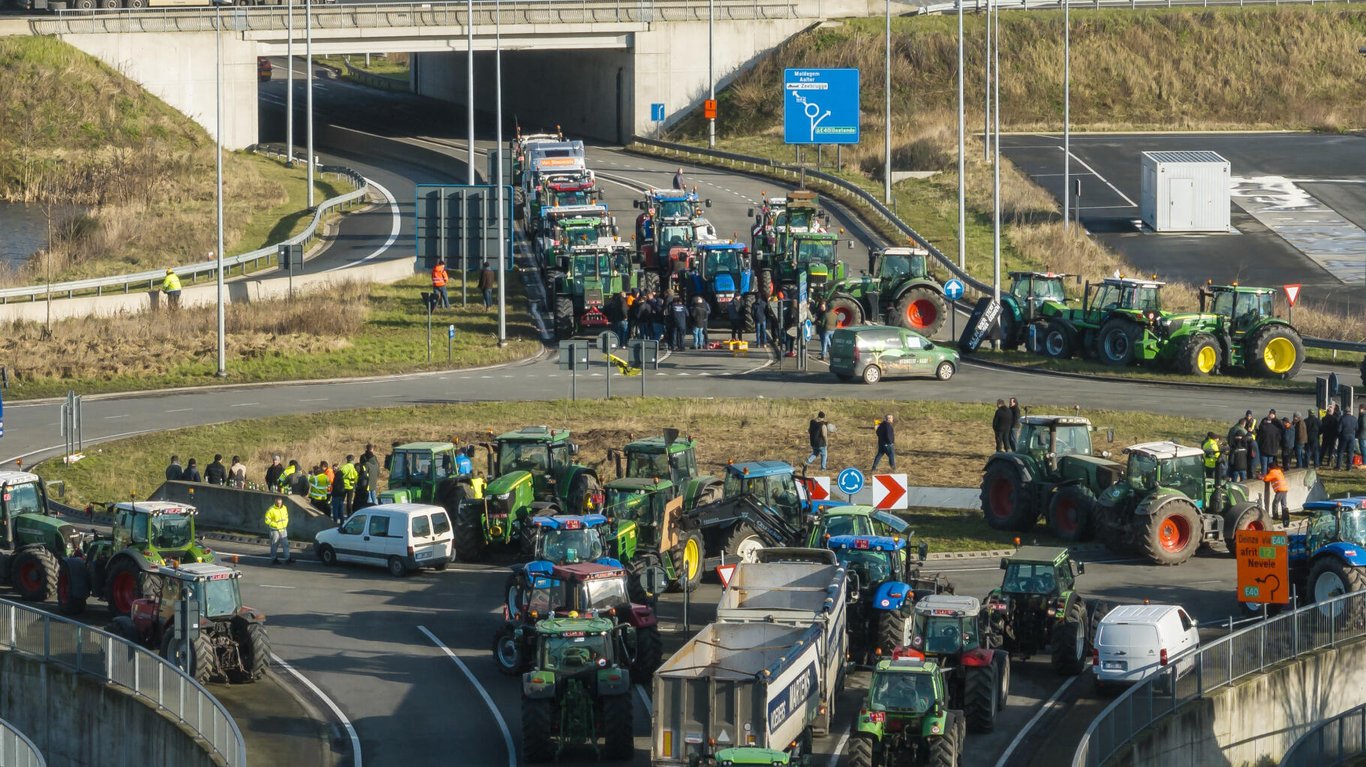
(653,316)
(1005,424)
(1302,441)
(337,488)
(216,473)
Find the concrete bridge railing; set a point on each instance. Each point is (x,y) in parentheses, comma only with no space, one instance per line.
(1331,742)
(16,750)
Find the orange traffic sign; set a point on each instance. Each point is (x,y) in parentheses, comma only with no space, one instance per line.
(709,109)
(1263,566)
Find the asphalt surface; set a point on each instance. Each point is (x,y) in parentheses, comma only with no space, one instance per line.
(1328,167)
(369,641)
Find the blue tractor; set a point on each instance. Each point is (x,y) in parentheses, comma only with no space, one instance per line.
(722,275)
(884,585)
(1329,559)
(568,539)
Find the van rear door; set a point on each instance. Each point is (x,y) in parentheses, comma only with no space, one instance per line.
(425,547)
(1127,650)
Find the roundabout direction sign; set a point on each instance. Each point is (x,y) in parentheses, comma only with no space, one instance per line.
(850,481)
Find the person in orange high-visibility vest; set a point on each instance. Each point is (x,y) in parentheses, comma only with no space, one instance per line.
(1276,478)
(439,279)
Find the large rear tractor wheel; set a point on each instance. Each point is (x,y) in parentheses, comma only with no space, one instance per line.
(1004,503)
(1244,516)
(1173,533)
(1199,355)
(73,586)
(1070,511)
(1069,641)
(1118,342)
(981,698)
(687,561)
(1331,577)
(1275,351)
(743,544)
(585,494)
(946,749)
(469,532)
(861,750)
(893,629)
(1059,340)
(649,281)
(922,310)
(765,284)
(847,311)
(618,737)
(253,645)
(33,573)
(538,743)
(122,585)
(649,652)
(507,652)
(564,317)
(202,665)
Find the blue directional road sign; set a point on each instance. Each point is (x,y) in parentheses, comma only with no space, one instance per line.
(657,112)
(850,481)
(821,106)
(953,289)
(450,332)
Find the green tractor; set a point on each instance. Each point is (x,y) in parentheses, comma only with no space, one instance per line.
(34,547)
(1236,328)
(1034,298)
(579,692)
(1109,326)
(1166,507)
(906,718)
(898,290)
(585,279)
(533,474)
(146,536)
(1036,609)
(1053,474)
(425,472)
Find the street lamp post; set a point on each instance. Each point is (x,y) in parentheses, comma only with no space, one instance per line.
(887,113)
(308,97)
(498,164)
(962,127)
(289,88)
(711,69)
(996,159)
(218,194)
(469,97)
(1066,109)
(986,92)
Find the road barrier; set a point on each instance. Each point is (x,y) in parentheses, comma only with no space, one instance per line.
(17,750)
(248,262)
(113,660)
(766,166)
(1331,742)
(1218,664)
(1052,5)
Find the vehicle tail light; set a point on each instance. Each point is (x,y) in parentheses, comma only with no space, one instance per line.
(856,353)
(877,716)
(411,551)
(1162,658)
(1095,657)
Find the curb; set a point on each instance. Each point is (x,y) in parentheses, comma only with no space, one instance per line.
(950,556)
(972,360)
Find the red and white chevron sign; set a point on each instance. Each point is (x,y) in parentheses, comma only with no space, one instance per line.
(889,492)
(818,488)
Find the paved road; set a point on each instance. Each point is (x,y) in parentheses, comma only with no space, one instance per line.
(1328,167)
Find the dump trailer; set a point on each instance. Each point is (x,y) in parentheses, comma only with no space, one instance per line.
(796,587)
(738,684)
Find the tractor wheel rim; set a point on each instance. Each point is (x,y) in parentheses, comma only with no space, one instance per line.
(1066,518)
(921,313)
(1080,641)
(1327,586)
(1001,492)
(1052,344)
(1205,359)
(507,652)
(31,576)
(691,559)
(843,317)
(1279,355)
(1174,534)
(1117,344)
(122,591)
(749,548)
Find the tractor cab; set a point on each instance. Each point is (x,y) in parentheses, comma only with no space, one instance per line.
(162,530)
(1242,308)
(416,469)
(543,452)
(1155,465)
(873,561)
(1039,571)
(1031,292)
(213,589)
(23,510)
(905,686)
(893,266)
(815,253)
(770,484)
(565,539)
(1339,520)
(947,626)
(663,456)
(856,520)
(1118,294)
(574,645)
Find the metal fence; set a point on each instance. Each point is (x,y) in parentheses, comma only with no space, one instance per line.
(417,14)
(246,262)
(1331,742)
(85,650)
(17,750)
(1221,662)
(1044,5)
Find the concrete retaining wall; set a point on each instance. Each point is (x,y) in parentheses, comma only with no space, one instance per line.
(243,511)
(1255,721)
(77,720)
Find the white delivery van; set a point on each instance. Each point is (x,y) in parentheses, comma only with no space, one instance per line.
(1134,642)
(400,536)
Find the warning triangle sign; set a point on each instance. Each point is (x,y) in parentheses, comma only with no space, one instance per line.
(1292,292)
(724,572)
(723,737)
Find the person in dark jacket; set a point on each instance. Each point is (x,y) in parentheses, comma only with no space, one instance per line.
(615,311)
(886,442)
(700,316)
(1301,439)
(1268,440)
(1238,455)
(1347,442)
(735,312)
(216,473)
(174,472)
(678,313)
(1287,442)
(1000,425)
(274,471)
(1361,430)
(817,433)
(1014,422)
(1328,435)
(758,311)
(191,472)
(298,481)
(1311,437)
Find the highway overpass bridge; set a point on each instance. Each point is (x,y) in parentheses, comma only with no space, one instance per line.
(593,67)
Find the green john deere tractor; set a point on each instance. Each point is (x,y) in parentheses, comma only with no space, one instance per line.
(146,535)
(34,547)
(1109,326)
(585,278)
(1036,609)
(1053,474)
(579,691)
(424,472)
(897,290)
(533,474)
(1236,327)
(906,718)
(1166,507)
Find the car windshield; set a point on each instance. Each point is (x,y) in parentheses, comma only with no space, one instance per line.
(572,653)
(722,261)
(815,252)
(872,566)
(565,547)
(675,209)
(675,236)
(647,465)
(220,596)
(605,593)
(171,531)
(23,499)
(525,456)
(903,266)
(902,692)
(941,635)
(626,504)
(1028,578)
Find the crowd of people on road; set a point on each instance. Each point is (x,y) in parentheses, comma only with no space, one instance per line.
(671,320)
(1252,445)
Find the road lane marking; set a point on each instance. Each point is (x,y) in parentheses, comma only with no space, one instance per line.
(396,219)
(273,586)
(839,749)
(1045,708)
(112,417)
(488,700)
(185,409)
(245,404)
(315,399)
(336,711)
(1103,180)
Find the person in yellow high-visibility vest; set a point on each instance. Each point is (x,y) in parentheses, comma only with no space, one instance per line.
(277,522)
(171,287)
(1211,448)
(477,485)
(319,489)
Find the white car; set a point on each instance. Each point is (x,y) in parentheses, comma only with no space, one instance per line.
(1134,642)
(400,536)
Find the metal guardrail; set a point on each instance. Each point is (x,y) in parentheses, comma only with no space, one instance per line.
(1006,5)
(16,750)
(413,14)
(151,280)
(114,660)
(1330,743)
(1219,664)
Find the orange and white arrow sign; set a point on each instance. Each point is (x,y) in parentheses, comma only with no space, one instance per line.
(889,492)
(818,488)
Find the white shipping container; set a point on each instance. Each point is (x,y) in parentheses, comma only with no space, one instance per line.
(1185,192)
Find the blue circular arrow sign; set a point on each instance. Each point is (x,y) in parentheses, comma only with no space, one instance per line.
(953,289)
(850,481)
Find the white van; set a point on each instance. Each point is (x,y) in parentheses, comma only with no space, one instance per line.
(400,536)
(1134,642)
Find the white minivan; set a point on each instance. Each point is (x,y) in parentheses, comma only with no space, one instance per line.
(1134,642)
(400,536)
